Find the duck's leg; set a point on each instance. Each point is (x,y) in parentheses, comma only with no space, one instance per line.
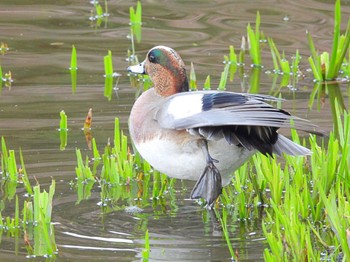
(208,185)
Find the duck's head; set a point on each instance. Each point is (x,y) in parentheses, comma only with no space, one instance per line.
(166,70)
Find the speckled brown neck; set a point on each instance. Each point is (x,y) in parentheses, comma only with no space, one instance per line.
(168,81)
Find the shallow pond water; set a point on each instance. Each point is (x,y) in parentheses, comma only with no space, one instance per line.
(40,35)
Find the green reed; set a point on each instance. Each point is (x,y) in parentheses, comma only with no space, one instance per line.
(9,224)
(83,170)
(309,205)
(98,15)
(146,250)
(37,216)
(63,121)
(63,129)
(12,173)
(206,85)
(96,154)
(193,79)
(305,199)
(136,21)
(283,67)
(325,66)
(223,219)
(223,78)
(73,69)
(279,61)
(254,38)
(123,175)
(1,79)
(109,75)
(24,175)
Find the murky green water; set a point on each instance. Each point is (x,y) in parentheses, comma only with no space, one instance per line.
(40,35)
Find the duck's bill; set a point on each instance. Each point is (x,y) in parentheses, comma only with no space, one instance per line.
(137,69)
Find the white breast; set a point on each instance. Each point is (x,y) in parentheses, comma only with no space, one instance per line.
(187,161)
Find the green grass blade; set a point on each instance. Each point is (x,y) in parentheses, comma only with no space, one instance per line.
(193,80)
(13,174)
(223,79)
(73,60)
(4,157)
(96,154)
(63,121)
(136,21)
(25,178)
(336,34)
(117,140)
(0,79)
(315,70)
(273,49)
(108,64)
(99,10)
(207,83)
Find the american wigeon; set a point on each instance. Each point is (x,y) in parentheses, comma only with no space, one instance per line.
(203,135)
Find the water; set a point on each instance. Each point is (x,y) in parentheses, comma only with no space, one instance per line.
(40,36)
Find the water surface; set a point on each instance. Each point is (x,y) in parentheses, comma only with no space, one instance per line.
(40,35)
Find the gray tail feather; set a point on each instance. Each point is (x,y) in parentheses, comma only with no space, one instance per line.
(284,145)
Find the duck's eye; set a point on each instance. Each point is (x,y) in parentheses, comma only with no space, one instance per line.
(152,58)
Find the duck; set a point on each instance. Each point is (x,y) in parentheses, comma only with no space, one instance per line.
(204,135)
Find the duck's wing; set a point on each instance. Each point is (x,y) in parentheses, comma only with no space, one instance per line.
(217,109)
(242,119)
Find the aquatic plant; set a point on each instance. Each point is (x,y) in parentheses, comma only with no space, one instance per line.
(63,129)
(193,80)
(1,79)
(11,224)
(63,121)
(101,15)
(146,250)
(8,163)
(223,219)
(7,79)
(254,42)
(231,59)
(135,31)
(309,210)
(136,21)
(12,173)
(123,176)
(37,216)
(24,175)
(305,199)
(206,85)
(82,170)
(326,67)
(223,78)
(136,80)
(4,48)
(109,75)
(73,69)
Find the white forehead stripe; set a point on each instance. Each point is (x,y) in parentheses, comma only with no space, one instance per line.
(162,47)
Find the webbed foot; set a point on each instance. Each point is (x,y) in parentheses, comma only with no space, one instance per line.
(208,185)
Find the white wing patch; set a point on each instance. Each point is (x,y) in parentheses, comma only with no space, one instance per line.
(185,106)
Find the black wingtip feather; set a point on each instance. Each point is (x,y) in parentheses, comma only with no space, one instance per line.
(222,99)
